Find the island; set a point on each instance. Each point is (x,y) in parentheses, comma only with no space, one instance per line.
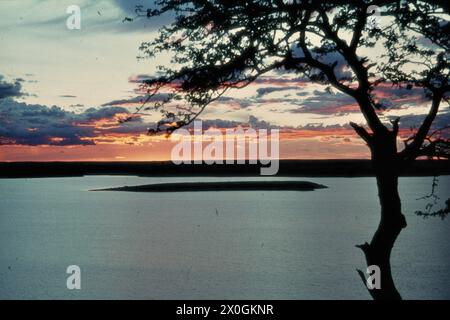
(221,186)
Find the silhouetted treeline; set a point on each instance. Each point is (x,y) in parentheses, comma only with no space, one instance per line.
(311,168)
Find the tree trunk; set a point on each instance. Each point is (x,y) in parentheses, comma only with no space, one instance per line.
(378,252)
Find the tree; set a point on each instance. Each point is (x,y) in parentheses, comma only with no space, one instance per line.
(219,45)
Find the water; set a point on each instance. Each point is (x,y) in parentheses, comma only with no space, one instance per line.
(210,245)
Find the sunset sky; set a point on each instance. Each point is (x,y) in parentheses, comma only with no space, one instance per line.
(63,91)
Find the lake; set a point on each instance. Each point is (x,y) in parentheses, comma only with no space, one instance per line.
(211,245)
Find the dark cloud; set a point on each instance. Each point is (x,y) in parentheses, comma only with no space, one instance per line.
(10,89)
(237,103)
(400,92)
(253,122)
(260,124)
(413,121)
(267,90)
(321,102)
(300,81)
(219,123)
(326,103)
(27,124)
(139,78)
(257,123)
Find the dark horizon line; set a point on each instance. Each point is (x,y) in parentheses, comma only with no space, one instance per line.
(170,161)
(301,168)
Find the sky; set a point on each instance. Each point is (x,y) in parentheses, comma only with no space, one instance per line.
(63,92)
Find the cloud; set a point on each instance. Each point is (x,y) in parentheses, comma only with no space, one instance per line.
(139,78)
(442,120)
(324,103)
(27,124)
(392,97)
(10,89)
(92,114)
(338,110)
(263,91)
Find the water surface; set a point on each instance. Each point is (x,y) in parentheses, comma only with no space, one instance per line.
(210,245)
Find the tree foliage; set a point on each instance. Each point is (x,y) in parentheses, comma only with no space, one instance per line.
(219,45)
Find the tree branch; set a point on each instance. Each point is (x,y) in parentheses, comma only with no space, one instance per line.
(411,151)
(361,22)
(361,132)
(362,93)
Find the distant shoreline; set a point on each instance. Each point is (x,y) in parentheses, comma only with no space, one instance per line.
(293,168)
